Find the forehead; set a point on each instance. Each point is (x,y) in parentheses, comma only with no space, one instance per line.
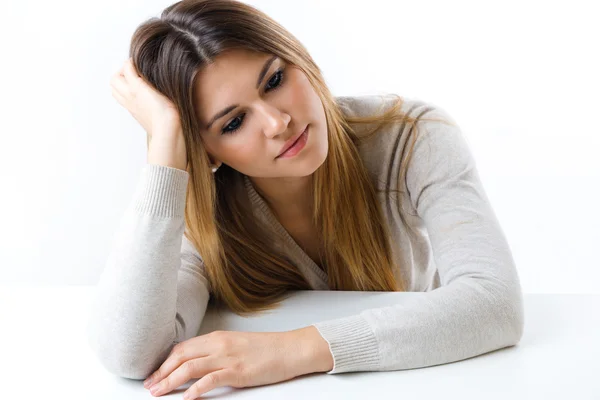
(222,82)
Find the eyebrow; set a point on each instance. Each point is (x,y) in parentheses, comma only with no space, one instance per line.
(227,110)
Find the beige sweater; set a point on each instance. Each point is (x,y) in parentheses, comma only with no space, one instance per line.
(153,292)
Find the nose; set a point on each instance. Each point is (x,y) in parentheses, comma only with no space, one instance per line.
(275,121)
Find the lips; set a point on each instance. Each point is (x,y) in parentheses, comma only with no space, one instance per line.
(291,142)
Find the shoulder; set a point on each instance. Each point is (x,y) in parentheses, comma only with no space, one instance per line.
(427,116)
(363,105)
(435,140)
(368,105)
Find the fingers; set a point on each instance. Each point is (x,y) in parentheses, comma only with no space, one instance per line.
(131,75)
(118,97)
(180,353)
(124,79)
(120,85)
(195,368)
(222,377)
(177,356)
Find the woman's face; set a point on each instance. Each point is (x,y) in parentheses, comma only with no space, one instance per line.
(260,102)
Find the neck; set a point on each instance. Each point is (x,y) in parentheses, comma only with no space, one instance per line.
(290,198)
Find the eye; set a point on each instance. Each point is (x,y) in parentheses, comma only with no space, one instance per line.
(273,83)
(275,80)
(232,127)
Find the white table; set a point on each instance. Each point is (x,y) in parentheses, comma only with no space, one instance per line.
(45,352)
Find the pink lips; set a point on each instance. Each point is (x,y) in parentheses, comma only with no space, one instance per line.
(297,146)
(293,142)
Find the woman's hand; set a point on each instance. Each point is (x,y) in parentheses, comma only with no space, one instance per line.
(155,113)
(150,108)
(240,359)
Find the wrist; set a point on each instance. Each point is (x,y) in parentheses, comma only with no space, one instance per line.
(167,153)
(312,352)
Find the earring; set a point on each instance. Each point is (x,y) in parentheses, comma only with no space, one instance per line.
(214,168)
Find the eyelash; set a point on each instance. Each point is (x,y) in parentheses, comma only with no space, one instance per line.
(226,131)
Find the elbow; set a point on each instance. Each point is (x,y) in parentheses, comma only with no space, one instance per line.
(502,315)
(122,365)
(125,360)
(517,320)
(511,314)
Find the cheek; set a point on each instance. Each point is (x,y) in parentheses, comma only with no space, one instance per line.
(306,95)
(244,156)
(299,88)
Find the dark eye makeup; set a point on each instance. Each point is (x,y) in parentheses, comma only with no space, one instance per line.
(275,82)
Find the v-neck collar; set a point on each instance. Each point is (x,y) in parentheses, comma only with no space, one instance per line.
(264,208)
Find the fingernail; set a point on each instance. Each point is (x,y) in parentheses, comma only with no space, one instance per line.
(147,383)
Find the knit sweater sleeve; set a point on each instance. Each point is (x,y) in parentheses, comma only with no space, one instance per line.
(153,291)
(478,307)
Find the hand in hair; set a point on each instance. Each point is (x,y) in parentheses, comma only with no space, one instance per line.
(240,359)
(155,113)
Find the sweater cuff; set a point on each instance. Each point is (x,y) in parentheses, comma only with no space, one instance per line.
(161,191)
(352,344)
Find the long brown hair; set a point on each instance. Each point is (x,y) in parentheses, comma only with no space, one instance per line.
(244,269)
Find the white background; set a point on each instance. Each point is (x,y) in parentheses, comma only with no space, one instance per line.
(519,77)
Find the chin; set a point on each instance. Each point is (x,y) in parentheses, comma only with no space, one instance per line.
(318,155)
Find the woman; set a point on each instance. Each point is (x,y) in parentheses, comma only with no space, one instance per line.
(306,191)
